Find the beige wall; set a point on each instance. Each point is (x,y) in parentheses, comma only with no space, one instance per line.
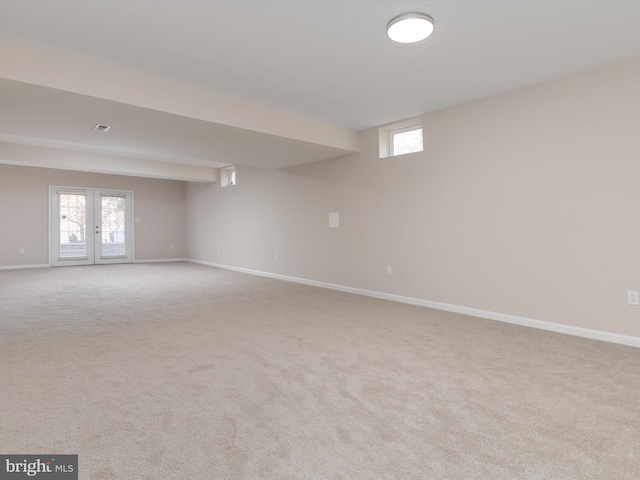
(525,204)
(24,206)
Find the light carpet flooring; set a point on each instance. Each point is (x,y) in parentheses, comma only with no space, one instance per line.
(181,371)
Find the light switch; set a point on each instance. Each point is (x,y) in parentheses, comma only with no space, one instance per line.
(334,220)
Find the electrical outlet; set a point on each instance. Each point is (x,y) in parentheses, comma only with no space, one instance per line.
(388,270)
(21,251)
(277,257)
(171,246)
(633,298)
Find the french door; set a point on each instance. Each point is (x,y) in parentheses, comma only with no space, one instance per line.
(91,226)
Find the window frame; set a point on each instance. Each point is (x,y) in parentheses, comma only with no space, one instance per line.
(398,131)
(228,176)
(387,132)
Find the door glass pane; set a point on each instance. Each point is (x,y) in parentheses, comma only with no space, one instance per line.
(113,226)
(73,216)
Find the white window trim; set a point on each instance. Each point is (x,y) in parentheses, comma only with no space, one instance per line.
(228,176)
(386,133)
(393,133)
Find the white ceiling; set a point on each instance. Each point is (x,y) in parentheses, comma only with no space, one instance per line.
(324,60)
(48,117)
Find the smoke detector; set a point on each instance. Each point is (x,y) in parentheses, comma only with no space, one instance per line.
(100,127)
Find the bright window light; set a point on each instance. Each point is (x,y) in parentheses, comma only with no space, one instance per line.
(401,137)
(405,140)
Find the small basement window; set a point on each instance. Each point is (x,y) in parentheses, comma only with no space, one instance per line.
(405,140)
(401,138)
(227,176)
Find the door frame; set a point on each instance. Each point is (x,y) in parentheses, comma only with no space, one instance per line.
(96,260)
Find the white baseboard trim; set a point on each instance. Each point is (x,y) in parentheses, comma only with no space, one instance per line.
(474,312)
(46,265)
(22,267)
(161,260)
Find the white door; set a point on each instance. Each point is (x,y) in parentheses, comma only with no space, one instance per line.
(91,226)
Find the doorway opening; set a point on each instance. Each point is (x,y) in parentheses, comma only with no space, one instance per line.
(90,226)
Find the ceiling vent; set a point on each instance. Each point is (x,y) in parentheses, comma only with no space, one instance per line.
(101,127)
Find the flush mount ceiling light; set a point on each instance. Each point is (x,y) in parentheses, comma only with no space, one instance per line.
(410,27)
